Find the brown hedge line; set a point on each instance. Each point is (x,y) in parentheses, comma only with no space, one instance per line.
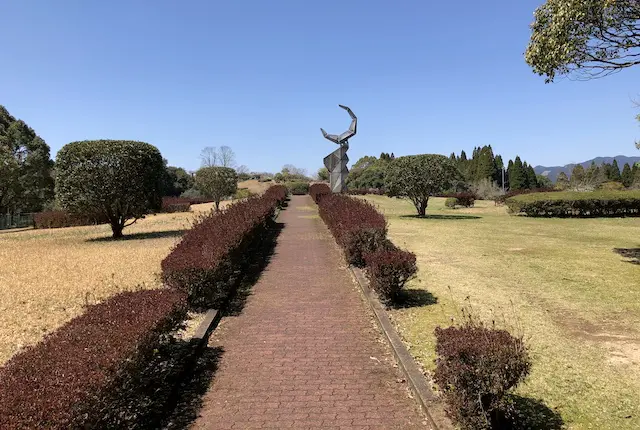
(75,376)
(61,219)
(356,225)
(316,191)
(207,259)
(389,269)
(175,204)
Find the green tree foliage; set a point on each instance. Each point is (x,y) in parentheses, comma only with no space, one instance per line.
(121,180)
(323,174)
(562,181)
(577,177)
(26,181)
(217,183)
(368,172)
(585,38)
(176,181)
(544,181)
(417,177)
(614,171)
(517,175)
(291,173)
(627,175)
(532,181)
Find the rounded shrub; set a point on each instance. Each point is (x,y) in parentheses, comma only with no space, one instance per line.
(451,202)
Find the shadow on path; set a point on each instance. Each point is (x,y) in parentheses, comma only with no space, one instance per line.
(632,253)
(141,236)
(443,217)
(533,414)
(414,298)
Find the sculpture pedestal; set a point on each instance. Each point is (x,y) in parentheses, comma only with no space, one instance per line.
(336,164)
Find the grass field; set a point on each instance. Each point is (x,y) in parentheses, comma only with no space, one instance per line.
(557,280)
(46,276)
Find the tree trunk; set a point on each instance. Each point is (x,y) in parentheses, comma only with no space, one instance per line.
(217,205)
(422,207)
(117,228)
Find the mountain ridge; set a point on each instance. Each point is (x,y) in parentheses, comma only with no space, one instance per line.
(552,172)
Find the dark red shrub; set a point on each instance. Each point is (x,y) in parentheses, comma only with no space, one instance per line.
(475,367)
(355,224)
(389,270)
(206,261)
(316,191)
(60,219)
(72,378)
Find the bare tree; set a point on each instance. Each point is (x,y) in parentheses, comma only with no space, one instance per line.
(209,156)
(222,157)
(293,170)
(242,170)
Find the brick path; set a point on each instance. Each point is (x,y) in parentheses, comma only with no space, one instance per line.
(305,351)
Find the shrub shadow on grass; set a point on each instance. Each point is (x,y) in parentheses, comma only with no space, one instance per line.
(141,236)
(261,254)
(413,298)
(532,414)
(633,254)
(439,216)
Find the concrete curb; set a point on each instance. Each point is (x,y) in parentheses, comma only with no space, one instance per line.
(206,327)
(425,396)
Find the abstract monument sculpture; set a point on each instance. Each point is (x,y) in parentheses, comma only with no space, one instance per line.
(336,162)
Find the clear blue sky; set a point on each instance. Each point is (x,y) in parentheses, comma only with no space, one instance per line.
(263,76)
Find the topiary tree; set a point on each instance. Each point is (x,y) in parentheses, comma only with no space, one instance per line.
(217,183)
(417,177)
(118,179)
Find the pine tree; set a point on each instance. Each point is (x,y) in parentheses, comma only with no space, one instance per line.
(577,176)
(499,166)
(532,179)
(615,171)
(485,166)
(627,175)
(463,156)
(562,181)
(517,176)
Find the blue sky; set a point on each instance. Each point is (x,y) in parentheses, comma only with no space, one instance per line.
(263,76)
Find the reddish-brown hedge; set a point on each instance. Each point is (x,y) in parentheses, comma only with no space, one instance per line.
(209,255)
(175,204)
(316,191)
(389,270)
(73,377)
(356,225)
(60,219)
(475,368)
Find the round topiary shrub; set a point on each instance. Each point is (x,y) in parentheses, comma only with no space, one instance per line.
(451,202)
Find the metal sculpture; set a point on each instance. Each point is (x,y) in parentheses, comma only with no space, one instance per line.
(336,162)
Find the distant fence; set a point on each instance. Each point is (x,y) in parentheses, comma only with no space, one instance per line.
(15,221)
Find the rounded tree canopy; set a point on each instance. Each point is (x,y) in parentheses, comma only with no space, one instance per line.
(217,182)
(120,179)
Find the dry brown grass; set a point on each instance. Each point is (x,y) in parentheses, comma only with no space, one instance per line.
(577,301)
(255,186)
(46,276)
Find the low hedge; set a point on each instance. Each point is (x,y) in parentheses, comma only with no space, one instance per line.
(356,225)
(206,261)
(388,270)
(466,200)
(316,191)
(298,188)
(577,204)
(175,204)
(501,199)
(476,366)
(78,375)
(61,219)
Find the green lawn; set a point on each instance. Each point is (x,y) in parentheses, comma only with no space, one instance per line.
(556,280)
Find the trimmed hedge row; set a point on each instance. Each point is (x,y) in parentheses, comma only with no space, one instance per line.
(175,204)
(361,231)
(316,191)
(298,188)
(205,262)
(476,366)
(61,219)
(76,376)
(500,200)
(577,204)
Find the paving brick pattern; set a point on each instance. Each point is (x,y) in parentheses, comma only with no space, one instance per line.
(305,352)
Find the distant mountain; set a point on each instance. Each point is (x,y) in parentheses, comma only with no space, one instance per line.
(553,172)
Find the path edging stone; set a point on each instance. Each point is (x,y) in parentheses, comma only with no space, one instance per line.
(424,394)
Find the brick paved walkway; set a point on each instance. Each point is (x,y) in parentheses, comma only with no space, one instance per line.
(305,351)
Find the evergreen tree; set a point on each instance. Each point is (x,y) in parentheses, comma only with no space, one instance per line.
(592,175)
(615,172)
(517,176)
(453,157)
(463,156)
(532,179)
(562,181)
(507,182)
(577,176)
(485,166)
(499,165)
(635,172)
(627,175)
